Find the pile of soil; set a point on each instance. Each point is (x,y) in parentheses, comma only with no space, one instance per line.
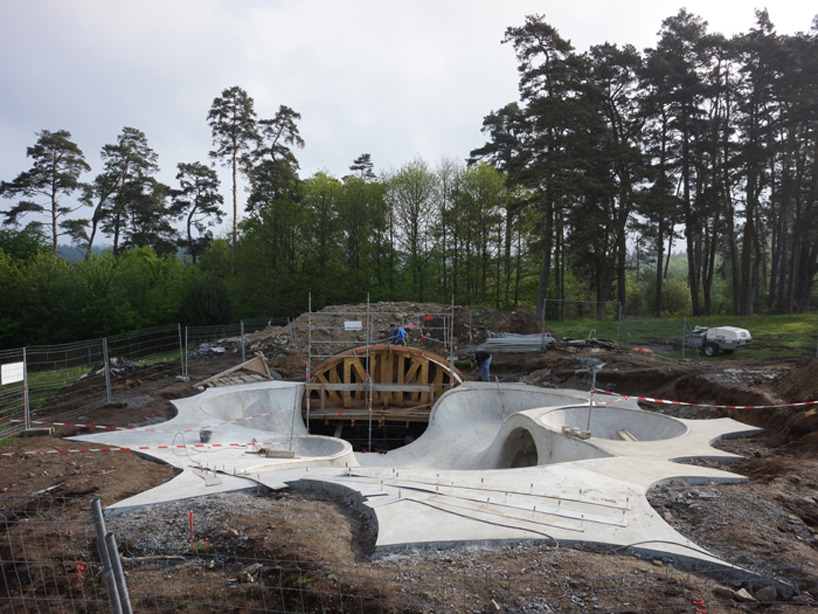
(765,524)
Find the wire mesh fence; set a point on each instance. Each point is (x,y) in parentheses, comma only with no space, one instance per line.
(57,382)
(61,378)
(51,562)
(49,556)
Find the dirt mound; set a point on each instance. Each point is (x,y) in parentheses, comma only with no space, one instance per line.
(428,324)
(800,384)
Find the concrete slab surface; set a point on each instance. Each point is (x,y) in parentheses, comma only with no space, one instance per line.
(496,463)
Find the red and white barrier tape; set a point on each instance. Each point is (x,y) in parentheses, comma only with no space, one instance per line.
(666,402)
(145,430)
(198,446)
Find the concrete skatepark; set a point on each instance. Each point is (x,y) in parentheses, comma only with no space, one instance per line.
(497,463)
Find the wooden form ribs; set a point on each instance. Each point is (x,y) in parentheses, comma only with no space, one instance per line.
(401,377)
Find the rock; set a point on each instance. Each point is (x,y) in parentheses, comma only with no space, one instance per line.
(668,517)
(743,596)
(766,594)
(724,592)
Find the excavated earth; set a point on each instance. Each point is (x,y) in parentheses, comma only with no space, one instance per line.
(767,524)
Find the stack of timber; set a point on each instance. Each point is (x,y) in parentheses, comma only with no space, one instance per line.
(514,343)
(253,370)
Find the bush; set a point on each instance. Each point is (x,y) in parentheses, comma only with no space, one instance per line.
(206,303)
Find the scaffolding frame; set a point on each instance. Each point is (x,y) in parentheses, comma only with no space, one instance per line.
(363,323)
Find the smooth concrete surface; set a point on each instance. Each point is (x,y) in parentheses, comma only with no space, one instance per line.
(243,421)
(496,463)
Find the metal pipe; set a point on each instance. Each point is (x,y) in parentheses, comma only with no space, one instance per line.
(107,570)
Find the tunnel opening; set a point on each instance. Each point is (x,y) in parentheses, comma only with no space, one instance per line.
(519,450)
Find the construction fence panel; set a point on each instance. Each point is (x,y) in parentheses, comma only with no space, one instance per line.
(142,359)
(12,391)
(54,382)
(226,342)
(49,556)
(65,379)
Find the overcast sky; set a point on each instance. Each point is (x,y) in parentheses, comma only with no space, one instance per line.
(394,79)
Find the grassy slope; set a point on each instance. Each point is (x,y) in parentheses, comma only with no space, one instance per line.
(777,336)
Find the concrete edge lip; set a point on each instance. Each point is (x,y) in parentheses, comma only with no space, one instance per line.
(496,463)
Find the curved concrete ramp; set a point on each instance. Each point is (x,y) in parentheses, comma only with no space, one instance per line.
(221,437)
(486,426)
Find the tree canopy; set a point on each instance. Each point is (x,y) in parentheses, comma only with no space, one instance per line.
(611,161)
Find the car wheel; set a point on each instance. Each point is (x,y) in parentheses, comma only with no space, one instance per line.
(710,349)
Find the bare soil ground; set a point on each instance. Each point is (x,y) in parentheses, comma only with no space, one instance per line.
(768,524)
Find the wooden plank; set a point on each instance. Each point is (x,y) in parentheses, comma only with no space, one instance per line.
(360,377)
(400,358)
(258,365)
(360,370)
(347,371)
(409,414)
(424,377)
(387,363)
(412,375)
(333,396)
(379,387)
(438,383)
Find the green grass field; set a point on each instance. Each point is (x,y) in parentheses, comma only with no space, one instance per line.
(774,337)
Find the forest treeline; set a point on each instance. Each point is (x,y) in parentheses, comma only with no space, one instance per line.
(610,160)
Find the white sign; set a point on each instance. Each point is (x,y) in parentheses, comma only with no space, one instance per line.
(353,325)
(12,372)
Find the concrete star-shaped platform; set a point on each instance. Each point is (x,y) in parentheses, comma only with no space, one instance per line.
(497,463)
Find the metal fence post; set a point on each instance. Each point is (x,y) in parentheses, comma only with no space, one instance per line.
(107,368)
(107,571)
(119,574)
(181,348)
(26,405)
(187,353)
(243,356)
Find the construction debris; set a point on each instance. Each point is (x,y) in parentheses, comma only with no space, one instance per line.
(253,370)
(214,350)
(514,343)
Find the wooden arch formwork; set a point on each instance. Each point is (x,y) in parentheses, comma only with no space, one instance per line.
(381,382)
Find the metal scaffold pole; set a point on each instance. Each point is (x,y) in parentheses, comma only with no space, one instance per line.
(369,366)
(309,356)
(451,345)
(26,399)
(181,348)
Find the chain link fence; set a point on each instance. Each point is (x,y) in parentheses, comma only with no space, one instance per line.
(49,556)
(56,382)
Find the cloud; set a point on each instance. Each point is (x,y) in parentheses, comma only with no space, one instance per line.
(395,79)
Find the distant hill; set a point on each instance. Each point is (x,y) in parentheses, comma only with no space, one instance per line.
(74,254)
